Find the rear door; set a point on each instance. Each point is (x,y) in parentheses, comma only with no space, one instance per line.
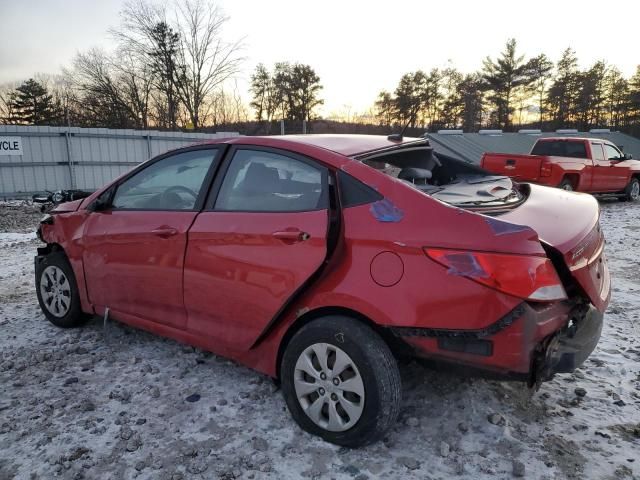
(261,237)
(599,172)
(134,249)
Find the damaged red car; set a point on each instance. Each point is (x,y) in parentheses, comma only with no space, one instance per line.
(320,260)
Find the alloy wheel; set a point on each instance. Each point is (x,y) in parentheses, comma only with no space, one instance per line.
(55,291)
(329,387)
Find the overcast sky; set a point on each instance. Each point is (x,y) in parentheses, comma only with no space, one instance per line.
(357,47)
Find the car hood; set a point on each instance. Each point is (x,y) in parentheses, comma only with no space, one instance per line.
(68,206)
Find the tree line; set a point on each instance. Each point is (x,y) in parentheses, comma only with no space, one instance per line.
(289,91)
(511,91)
(170,68)
(173,69)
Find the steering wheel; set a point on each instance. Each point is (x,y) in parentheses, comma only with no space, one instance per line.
(172,192)
(180,188)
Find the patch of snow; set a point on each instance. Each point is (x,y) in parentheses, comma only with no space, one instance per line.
(10,238)
(98,403)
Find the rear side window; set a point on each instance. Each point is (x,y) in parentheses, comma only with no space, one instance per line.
(560,148)
(260,181)
(549,148)
(353,192)
(575,150)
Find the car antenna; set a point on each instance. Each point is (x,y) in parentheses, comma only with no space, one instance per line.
(397,137)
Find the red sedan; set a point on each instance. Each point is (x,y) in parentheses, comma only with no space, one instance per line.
(319,260)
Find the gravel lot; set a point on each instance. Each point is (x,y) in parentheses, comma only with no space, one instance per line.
(117,403)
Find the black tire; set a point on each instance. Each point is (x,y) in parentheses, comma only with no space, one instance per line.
(376,366)
(566,185)
(73,316)
(632,191)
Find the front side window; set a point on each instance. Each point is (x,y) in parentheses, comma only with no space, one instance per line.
(173,183)
(612,152)
(259,181)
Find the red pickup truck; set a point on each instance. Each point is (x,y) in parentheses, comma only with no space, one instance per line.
(589,165)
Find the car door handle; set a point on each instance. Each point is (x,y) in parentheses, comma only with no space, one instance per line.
(165,232)
(291,235)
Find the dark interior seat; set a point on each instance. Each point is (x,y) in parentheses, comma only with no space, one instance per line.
(415,175)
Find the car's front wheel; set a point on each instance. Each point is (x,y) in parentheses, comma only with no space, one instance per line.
(341,381)
(57,291)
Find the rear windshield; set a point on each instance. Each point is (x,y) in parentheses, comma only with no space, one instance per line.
(560,148)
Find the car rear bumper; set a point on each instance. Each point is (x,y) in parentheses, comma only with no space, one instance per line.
(531,343)
(570,347)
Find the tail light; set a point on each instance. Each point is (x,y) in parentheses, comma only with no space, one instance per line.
(545,169)
(524,276)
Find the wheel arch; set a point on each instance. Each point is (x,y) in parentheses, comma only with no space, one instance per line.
(396,346)
(77,266)
(573,177)
(52,247)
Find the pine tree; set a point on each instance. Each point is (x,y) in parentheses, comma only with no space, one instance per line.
(33,105)
(563,93)
(504,78)
(633,102)
(540,71)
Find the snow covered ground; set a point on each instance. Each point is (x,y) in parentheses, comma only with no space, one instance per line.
(121,403)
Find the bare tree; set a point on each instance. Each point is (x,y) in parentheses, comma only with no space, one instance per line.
(205,60)
(228,107)
(7,102)
(102,95)
(136,79)
(145,33)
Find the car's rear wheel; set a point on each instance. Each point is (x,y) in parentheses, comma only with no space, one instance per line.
(632,192)
(566,185)
(57,291)
(341,381)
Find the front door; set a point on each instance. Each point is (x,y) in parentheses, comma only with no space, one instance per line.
(134,248)
(257,243)
(618,177)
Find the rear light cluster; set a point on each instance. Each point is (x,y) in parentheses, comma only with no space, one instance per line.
(523,276)
(545,169)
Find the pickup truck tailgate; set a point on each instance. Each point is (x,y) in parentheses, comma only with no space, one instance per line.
(517,166)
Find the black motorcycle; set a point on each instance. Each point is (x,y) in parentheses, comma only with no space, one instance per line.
(48,200)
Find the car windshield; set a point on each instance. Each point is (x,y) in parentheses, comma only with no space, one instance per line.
(445,178)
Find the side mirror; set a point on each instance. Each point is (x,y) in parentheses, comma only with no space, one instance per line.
(627,156)
(102,203)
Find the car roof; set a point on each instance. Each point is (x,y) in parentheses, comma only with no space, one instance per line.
(582,139)
(347,145)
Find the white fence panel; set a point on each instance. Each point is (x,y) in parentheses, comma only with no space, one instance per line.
(86,158)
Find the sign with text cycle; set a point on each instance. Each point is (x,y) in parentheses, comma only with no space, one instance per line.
(10,146)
